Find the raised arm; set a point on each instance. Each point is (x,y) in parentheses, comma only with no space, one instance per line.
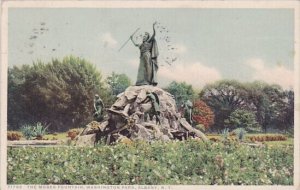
(131,38)
(153,35)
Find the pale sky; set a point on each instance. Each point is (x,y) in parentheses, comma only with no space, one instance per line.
(209,44)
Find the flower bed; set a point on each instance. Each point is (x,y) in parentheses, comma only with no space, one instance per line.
(189,162)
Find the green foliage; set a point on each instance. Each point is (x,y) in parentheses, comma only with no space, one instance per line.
(242,119)
(27,131)
(261,102)
(16,115)
(181,92)
(59,93)
(224,97)
(40,130)
(118,83)
(240,133)
(287,114)
(273,107)
(177,163)
(31,131)
(225,135)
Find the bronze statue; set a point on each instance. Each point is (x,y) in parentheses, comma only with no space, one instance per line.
(148,59)
(98,108)
(154,111)
(188,106)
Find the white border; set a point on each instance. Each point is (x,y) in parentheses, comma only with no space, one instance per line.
(149,4)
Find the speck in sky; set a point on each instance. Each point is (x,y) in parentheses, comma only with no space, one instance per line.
(198,46)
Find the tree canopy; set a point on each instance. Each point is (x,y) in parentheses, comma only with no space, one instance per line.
(242,119)
(224,97)
(59,93)
(118,83)
(181,92)
(202,114)
(271,105)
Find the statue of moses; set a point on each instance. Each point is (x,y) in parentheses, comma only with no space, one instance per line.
(148,59)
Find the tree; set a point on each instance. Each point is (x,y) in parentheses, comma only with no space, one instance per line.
(260,102)
(224,97)
(181,92)
(283,110)
(118,83)
(203,114)
(288,118)
(241,118)
(16,116)
(59,93)
(274,107)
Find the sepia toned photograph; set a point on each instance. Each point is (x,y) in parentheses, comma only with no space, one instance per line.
(149,95)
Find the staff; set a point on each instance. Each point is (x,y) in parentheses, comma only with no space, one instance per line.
(128,39)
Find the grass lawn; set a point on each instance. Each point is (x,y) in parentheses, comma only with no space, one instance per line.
(59,136)
(289,142)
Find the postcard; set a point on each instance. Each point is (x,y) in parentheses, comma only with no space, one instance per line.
(150,95)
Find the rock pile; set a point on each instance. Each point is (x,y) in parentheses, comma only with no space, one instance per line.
(140,113)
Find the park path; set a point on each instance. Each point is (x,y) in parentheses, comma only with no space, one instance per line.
(36,143)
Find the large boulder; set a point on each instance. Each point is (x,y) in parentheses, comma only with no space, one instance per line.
(142,113)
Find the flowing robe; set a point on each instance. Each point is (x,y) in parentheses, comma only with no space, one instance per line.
(148,63)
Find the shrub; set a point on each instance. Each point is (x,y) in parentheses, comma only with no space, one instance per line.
(263,138)
(202,114)
(225,135)
(14,135)
(240,133)
(40,131)
(34,131)
(27,131)
(242,119)
(72,133)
